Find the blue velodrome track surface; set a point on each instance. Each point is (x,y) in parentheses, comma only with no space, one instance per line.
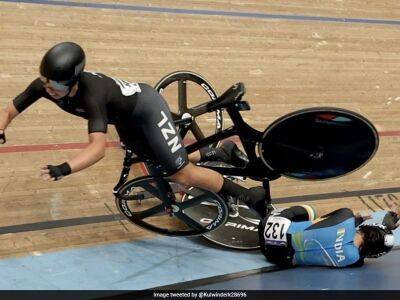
(378,274)
(125,266)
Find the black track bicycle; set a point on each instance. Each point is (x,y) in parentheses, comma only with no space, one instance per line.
(310,144)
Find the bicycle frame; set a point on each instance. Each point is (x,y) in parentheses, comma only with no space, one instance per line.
(248,136)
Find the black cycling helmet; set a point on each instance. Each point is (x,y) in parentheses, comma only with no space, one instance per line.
(62,65)
(378,240)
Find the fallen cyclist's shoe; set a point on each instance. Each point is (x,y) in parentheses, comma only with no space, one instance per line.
(257,201)
(233,155)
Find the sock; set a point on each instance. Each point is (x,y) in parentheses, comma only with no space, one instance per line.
(257,201)
(253,198)
(233,189)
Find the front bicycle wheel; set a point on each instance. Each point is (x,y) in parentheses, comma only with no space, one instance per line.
(156,204)
(184,91)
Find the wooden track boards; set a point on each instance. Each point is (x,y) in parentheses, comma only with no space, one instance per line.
(285,64)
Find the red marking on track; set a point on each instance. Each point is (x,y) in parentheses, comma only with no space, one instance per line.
(112,144)
(390,133)
(49,147)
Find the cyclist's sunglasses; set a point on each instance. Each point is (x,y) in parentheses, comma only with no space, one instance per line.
(62,86)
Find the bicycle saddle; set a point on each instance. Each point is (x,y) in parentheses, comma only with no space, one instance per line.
(231,95)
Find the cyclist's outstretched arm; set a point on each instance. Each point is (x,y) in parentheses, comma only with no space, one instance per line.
(7,114)
(30,95)
(332,218)
(85,158)
(94,152)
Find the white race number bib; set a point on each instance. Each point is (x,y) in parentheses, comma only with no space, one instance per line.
(127,88)
(275,230)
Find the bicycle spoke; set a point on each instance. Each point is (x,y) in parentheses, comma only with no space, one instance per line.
(164,190)
(175,116)
(150,188)
(182,96)
(193,102)
(195,129)
(183,131)
(178,188)
(194,201)
(189,221)
(137,196)
(197,110)
(150,212)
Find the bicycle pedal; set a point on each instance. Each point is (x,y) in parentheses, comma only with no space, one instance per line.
(233,211)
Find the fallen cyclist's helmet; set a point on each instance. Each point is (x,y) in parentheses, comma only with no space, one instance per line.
(62,65)
(378,240)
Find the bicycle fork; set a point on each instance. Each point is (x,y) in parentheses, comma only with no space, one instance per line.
(125,170)
(167,196)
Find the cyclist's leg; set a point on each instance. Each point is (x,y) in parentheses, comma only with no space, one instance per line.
(165,145)
(299,213)
(159,136)
(153,116)
(192,175)
(209,154)
(195,157)
(283,254)
(227,152)
(332,218)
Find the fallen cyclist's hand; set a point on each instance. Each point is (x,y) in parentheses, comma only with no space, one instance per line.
(2,137)
(54,173)
(392,217)
(360,219)
(391,220)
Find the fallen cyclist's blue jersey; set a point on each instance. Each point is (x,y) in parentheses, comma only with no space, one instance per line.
(286,240)
(327,246)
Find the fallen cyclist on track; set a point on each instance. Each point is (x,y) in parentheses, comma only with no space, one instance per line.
(293,237)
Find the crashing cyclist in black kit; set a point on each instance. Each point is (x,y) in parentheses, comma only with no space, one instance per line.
(142,119)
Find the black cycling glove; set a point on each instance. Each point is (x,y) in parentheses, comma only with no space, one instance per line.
(58,172)
(2,137)
(390,220)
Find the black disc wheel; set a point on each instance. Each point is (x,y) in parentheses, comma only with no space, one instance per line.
(157,205)
(318,143)
(185,92)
